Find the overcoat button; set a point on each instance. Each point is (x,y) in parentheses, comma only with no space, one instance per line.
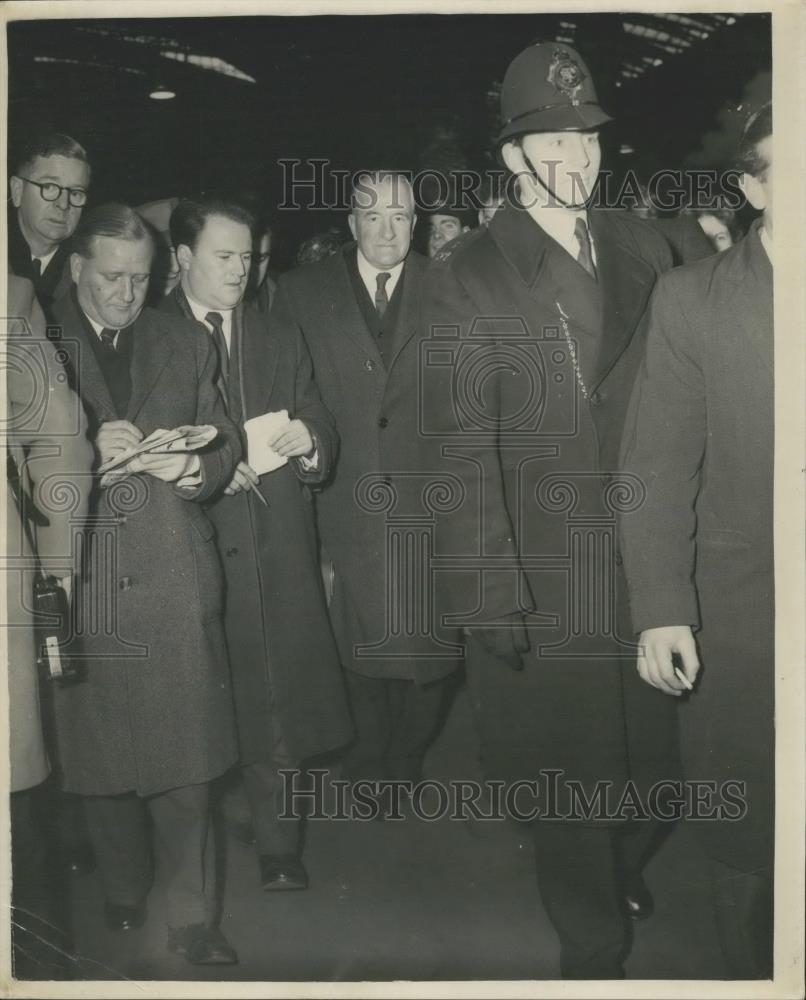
(619,559)
(369,364)
(232,552)
(383,422)
(596,399)
(125,583)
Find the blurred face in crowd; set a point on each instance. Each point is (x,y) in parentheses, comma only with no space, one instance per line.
(45,224)
(262,259)
(441,230)
(758,189)
(382,220)
(716,231)
(112,283)
(566,165)
(215,271)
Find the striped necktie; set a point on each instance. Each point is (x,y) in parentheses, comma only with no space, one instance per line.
(585,256)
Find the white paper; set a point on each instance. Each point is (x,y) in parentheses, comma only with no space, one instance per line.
(260,456)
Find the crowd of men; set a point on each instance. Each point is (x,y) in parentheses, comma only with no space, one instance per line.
(229,614)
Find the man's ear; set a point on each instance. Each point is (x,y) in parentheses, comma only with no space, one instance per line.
(351,224)
(413,223)
(76,263)
(754,191)
(512,155)
(16,185)
(183,256)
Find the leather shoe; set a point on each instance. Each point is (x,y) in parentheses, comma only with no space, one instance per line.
(201,945)
(124,918)
(280,872)
(79,859)
(636,900)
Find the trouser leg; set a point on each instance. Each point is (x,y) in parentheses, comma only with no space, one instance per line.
(185,853)
(369,705)
(576,875)
(38,914)
(118,829)
(743,905)
(265,788)
(415,713)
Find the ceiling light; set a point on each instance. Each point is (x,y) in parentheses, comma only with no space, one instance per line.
(162,93)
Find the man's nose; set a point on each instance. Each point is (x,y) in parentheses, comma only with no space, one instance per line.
(387,229)
(63,201)
(127,289)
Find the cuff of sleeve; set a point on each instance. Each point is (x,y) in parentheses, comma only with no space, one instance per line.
(310,464)
(192,479)
(664,606)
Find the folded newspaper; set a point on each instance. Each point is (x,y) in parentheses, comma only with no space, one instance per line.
(162,442)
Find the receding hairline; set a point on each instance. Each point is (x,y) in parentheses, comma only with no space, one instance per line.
(92,240)
(376,179)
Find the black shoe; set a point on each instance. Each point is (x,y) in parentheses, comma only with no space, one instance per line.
(280,872)
(79,859)
(124,918)
(201,945)
(636,900)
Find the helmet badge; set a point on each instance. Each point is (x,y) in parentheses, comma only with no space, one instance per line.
(565,74)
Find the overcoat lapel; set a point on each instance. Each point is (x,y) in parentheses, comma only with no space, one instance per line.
(345,310)
(626,282)
(408,316)
(151,352)
(89,380)
(258,358)
(752,302)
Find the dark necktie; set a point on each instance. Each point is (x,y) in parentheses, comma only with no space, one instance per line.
(585,256)
(108,340)
(216,321)
(36,267)
(381,298)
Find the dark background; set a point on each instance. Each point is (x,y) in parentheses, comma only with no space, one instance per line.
(403,91)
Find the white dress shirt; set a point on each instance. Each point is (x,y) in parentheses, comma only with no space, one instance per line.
(199,312)
(369,275)
(558,222)
(44,261)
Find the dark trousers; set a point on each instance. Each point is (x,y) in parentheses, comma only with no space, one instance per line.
(264,787)
(40,894)
(743,905)
(580,871)
(180,843)
(395,721)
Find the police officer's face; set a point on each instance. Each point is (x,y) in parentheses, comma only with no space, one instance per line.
(112,283)
(566,163)
(49,222)
(441,230)
(383,221)
(215,272)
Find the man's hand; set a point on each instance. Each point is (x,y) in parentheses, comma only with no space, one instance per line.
(168,467)
(244,476)
(115,437)
(504,642)
(656,666)
(293,441)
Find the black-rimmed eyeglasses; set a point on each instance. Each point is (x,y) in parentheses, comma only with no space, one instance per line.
(52,192)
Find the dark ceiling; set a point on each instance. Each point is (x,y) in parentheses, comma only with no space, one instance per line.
(358,90)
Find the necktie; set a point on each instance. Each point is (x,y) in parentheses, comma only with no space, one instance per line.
(381,298)
(216,321)
(585,257)
(36,267)
(108,340)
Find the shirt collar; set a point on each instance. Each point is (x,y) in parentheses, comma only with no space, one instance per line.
(369,274)
(199,312)
(44,261)
(558,222)
(766,241)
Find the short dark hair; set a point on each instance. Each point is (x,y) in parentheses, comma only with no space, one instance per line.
(758,127)
(114,219)
(190,216)
(46,143)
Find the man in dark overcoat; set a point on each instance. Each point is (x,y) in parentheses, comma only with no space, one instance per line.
(541,314)
(152,720)
(698,553)
(358,312)
(289,694)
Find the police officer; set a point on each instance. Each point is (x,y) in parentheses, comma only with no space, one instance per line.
(551,679)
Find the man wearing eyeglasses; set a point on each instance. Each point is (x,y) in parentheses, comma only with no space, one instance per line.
(48,190)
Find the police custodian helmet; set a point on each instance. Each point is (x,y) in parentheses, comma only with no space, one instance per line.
(548,88)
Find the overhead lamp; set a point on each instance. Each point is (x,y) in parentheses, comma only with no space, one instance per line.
(162,93)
